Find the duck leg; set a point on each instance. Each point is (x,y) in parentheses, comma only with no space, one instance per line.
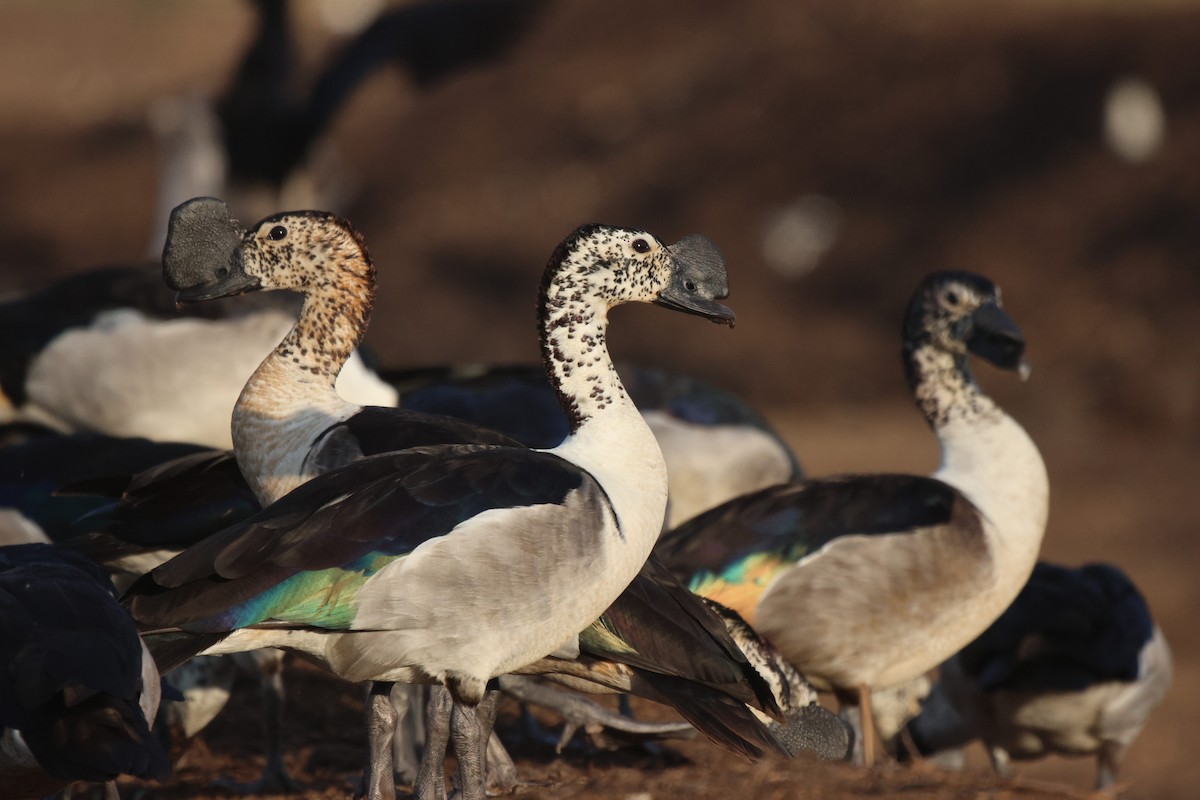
(268,663)
(431,778)
(1108,762)
(486,711)
(855,710)
(500,774)
(868,725)
(275,775)
(501,771)
(466,731)
(381,729)
(1000,761)
(409,700)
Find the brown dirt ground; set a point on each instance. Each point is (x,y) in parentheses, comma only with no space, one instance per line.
(949,134)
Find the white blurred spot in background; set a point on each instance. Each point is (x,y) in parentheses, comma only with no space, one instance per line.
(348,17)
(1134,121)
(798,236)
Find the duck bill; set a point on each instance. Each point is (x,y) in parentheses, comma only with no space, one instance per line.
(689,303)
(996,338)
(202,257)
(235,282)
(698,280)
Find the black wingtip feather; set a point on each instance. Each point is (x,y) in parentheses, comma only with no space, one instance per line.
(725,722)
(671,631)
(172,649)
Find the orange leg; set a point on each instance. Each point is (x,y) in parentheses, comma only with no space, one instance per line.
(868,725)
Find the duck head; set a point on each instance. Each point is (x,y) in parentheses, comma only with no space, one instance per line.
(621,265)
(960,313)
(209,255)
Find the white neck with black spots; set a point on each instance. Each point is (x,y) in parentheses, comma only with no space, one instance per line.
(943,388)
(985,454)
(608,436)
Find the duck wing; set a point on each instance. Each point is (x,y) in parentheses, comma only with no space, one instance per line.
(304,558)
(736,549)
(1067,630)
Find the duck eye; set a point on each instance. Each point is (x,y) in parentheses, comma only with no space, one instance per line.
(641,246)
(277,233)
(952,298)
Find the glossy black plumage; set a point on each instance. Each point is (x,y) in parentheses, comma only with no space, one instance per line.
(374,430)
(791,521)
(378,507)
(178,502)
(169,505)
(152,477)
(518,400)
(1067,630)
(72,668)
(680,621)
(33,472)
(682,655)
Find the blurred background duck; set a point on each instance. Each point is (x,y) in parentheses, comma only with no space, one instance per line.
(108,352)
(78,690)
(261,143)
(105,351)
(1074,667)
(869,581)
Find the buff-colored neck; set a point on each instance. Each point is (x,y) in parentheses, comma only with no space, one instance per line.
(290,399)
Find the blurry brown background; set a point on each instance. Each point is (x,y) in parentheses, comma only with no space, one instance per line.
(836,151)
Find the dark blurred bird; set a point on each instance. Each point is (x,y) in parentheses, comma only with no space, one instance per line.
(77,688)
(257,145)
(32,473)
(268,125)
(1074,667)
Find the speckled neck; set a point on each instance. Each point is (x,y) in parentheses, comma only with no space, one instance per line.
(943,388)
(986,455)
(608,436)
(332,323)
(291,398)
(575,353)
(573,323)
